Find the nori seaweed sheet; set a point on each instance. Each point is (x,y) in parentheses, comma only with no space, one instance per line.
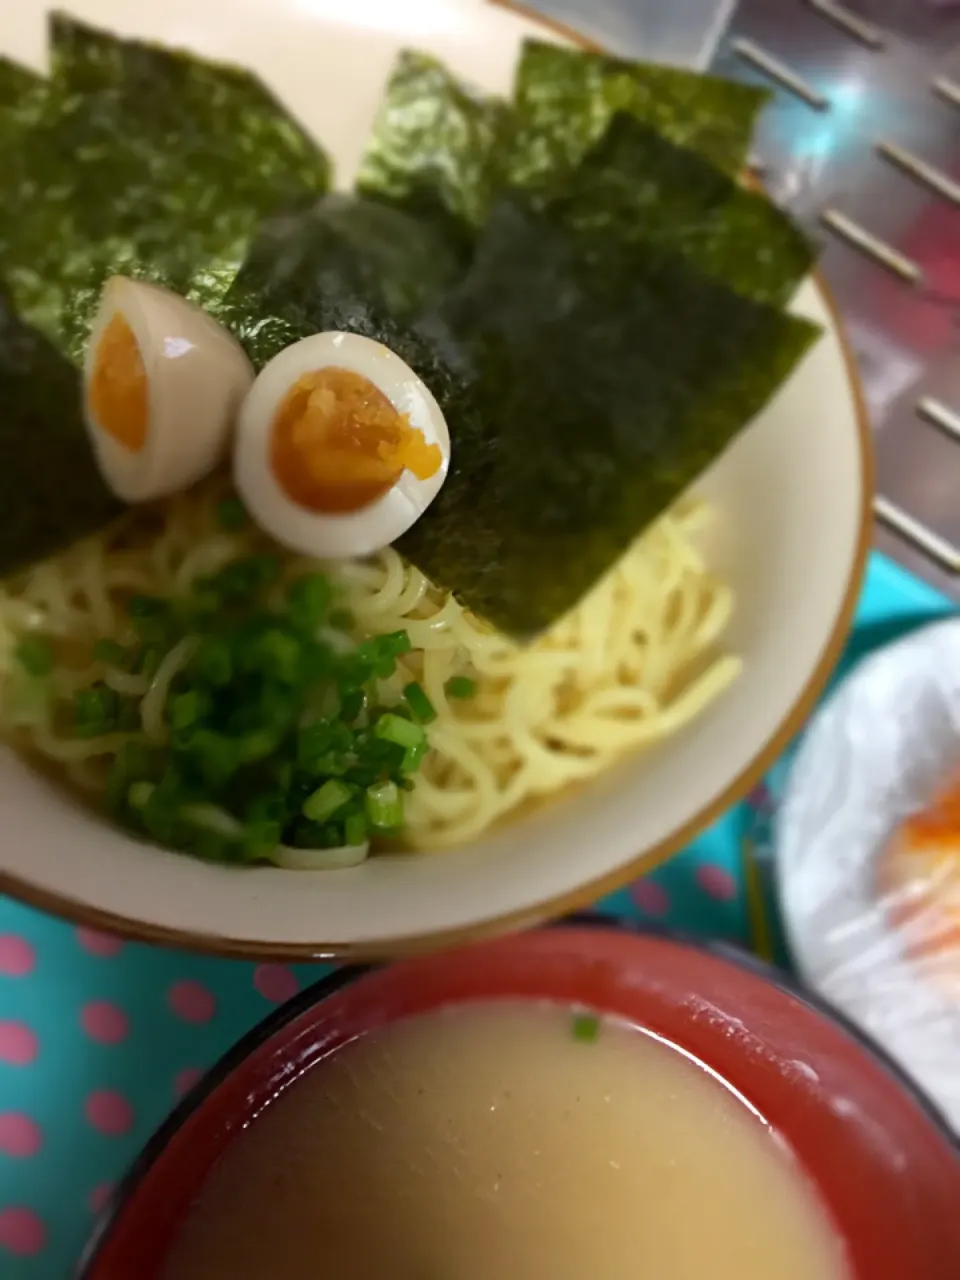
(590,407)
(16,82)
(435,142)
(634,184)
(51,492)
(565,99)
(337,265)
(148,163)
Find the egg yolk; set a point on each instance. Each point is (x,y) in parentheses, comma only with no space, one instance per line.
(338,443)
(118,386)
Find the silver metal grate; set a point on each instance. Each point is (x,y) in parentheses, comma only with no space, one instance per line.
(862,145)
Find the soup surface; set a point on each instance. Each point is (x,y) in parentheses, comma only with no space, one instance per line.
(507,1142)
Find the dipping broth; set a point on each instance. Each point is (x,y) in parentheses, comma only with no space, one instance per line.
(506,1141)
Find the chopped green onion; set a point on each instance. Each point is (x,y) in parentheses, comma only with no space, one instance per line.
(244,577)
(460,687)
(413,757)
(402,733)
(35,655)
(95,711)
(313,740)
(214,755)
(111,653)
(395,643)
(419,703)
(231,514)
(384,806)
(187,708)
(352,703)
(373,657)
(260,839)
(259,744)
(309,600)
(215,661)
(147,661)
(150,617)
(585,1027)
(140,793)
(280,655)
(326,800)
(355,829)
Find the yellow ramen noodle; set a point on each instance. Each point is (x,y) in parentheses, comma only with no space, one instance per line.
(637,659)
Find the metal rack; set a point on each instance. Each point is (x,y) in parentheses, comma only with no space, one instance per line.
(862,145)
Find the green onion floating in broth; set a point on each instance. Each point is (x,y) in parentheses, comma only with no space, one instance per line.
(585,1027)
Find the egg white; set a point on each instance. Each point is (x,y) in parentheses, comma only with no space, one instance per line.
(197,375)
(354,533)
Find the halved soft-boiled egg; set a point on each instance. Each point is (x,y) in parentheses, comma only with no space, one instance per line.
(163,383)
(340,447)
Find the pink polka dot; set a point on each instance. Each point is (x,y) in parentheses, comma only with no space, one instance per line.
(100,1195)
(104,1022)
(21,1232)
(19,1135)
(17,957)
(716,882)
(109,1112)
(275,982)
(104,945)
(18,1044)
(185,1080)
(650,897)
(191,1001)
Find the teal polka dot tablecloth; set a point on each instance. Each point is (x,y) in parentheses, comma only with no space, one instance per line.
(99,1037)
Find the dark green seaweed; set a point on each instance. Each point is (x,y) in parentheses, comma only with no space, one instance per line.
(148,163)
(51,492)
(606,376)
(636,185)
(435,142)
(566,98)
(335,266)
(16,83)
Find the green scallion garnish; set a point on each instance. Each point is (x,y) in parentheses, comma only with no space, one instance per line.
(419,703)
(383,804)
(460,687)
(355,829)
(327,800)
(35,655)
(95,711)
(309,600)
(585,1027)
(402,733)
(275,734)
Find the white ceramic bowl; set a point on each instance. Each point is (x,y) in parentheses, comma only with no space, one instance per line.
(794,493)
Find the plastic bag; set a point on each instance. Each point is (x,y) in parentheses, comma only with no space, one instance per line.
(867,851)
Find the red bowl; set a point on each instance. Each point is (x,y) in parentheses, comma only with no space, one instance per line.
(886,1167)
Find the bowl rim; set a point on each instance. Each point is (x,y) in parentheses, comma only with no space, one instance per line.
(310,997)
(586,894)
